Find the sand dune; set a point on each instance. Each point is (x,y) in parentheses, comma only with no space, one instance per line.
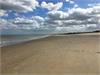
(72,54)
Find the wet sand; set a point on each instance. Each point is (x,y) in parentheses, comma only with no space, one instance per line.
(56,55)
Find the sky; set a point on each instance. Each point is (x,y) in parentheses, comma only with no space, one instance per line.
(62,15)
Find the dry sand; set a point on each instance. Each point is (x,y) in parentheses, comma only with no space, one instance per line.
(69,55)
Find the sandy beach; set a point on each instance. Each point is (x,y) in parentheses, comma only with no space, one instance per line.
(55,55)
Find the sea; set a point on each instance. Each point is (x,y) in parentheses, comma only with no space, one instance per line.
(26,35)
(6,40)
(15,36)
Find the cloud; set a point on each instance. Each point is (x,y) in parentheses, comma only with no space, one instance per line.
(22,23)
(74,13)
(38,18)
(75,19)
(52,6)
(70,1)
(3,13)
(93,4)
(25,23)
(75,6)
(4,24)
(89,17)
(19,5)
(57,15)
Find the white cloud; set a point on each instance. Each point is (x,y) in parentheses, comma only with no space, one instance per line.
(94,4)
(4,24)
(77,17)
(22,20)
(22,23)
(25,23)
(70,1)
(75,6)
(74,13)
(51,6)
(67,0)
(57,15)
(3,13)
(19,5)
(38,18)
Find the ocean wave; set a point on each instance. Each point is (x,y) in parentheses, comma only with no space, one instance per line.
(19,39)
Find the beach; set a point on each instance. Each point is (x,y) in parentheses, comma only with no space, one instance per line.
(54,55)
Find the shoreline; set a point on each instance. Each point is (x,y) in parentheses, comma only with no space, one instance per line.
(22,41)
(67,35)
